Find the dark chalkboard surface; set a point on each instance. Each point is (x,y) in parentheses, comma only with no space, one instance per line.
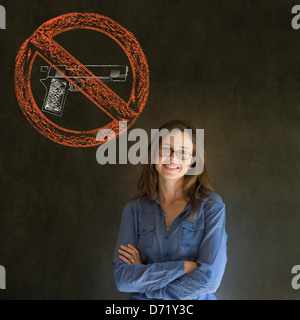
(232,68)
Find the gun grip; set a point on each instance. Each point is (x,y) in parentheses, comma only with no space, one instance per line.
(56,96)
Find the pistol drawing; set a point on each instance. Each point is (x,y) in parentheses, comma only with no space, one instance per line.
(57,86)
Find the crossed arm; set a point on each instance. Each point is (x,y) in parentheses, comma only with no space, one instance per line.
(170,280)
(130,255)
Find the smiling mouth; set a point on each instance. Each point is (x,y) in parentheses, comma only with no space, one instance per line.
(171,167)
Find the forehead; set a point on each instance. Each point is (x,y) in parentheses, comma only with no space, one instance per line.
(178,139)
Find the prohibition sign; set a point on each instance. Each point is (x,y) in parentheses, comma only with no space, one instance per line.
(41,43)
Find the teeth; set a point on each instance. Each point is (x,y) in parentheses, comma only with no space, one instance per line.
(171,167)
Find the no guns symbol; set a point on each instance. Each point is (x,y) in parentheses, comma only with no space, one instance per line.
(68,70)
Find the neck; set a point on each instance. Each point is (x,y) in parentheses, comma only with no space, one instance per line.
(170,190)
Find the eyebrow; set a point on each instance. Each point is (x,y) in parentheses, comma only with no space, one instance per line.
(166,144)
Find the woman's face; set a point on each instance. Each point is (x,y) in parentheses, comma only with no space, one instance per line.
(180,146)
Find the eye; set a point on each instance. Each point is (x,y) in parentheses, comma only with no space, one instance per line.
(183,154)
(164,150)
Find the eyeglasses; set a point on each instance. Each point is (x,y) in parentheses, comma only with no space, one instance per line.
(180,153)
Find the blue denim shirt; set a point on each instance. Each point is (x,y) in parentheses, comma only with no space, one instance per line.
(163,251)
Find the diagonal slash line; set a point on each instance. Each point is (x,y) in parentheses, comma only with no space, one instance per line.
(93,88)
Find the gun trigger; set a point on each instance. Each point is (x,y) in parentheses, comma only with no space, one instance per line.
(72,88)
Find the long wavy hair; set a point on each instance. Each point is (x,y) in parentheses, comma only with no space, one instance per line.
(195,187)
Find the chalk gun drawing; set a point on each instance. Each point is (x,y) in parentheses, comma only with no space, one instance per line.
(57,86)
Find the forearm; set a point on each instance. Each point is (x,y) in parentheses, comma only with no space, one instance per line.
(204,279)
(145,278)
(187,287)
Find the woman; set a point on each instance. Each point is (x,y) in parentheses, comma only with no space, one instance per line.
(172,239)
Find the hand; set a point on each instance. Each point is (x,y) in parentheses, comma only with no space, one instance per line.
(189,266)
(130,254)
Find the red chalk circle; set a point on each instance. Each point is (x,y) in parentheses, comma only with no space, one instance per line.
(42,43)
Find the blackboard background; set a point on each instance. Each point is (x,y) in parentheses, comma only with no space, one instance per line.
(231,67)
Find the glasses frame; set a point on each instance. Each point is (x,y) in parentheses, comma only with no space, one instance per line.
(176,154)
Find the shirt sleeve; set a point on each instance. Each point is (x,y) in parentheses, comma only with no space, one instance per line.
(140,277)
(212,259)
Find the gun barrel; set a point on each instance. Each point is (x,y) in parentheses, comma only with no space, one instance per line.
(106,73)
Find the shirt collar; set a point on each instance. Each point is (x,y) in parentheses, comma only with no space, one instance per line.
(188,205)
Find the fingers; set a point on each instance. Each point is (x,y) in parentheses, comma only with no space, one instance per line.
(133,248)
(124,260)
(126,255)
(130,254)
(129,250)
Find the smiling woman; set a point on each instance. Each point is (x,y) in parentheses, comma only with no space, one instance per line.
(172,239)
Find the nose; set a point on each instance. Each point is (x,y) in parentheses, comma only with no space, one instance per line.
(174,159)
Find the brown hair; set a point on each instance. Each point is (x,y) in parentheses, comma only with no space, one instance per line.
(195,187)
